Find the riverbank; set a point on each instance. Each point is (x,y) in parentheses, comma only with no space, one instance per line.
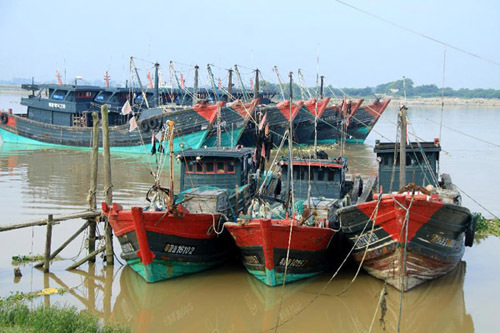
(18,317)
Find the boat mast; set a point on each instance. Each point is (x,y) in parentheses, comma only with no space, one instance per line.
(230,86)
(275,69)
(139,80)
(402,147)
(195,85)
(256,85)
(290,198)
(321,87)
(245,97)
(212,80)
(157,85)
(216,93)
(302,86)
(170,125)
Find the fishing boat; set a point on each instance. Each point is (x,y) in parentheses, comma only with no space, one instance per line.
(286,239)
(181,234)
(418,233)
(232,119)
(60,115)
(350,119)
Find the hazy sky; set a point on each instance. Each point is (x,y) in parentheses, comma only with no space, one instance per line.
(87,38)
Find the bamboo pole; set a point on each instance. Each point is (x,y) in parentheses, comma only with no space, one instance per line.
(402,147)
(83,215)
(108,192)
(90,255)
(48,241)
(91,199)
(56,252)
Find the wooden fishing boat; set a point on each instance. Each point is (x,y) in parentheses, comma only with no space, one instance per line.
(231,122)
(282,240)
(415,234)
(182,234)
(350,119)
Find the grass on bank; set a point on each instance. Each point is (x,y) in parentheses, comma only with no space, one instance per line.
(17,317)
(486,226)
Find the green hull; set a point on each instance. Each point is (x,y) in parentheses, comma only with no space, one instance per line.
(272,279)
(160,269)
(193,140)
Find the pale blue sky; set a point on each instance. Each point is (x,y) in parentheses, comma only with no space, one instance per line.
(89,37)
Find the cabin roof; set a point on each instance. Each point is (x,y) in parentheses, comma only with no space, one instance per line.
(412,147)
(229,152)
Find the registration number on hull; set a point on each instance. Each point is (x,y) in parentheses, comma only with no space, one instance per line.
(179,249)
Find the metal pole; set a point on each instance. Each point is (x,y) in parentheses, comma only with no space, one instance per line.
(108,191)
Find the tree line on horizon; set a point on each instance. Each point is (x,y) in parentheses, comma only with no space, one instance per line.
(393,88)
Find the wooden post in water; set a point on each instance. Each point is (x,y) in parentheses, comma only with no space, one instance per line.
(48,240)
(108,191)
(91,199)
(402,147)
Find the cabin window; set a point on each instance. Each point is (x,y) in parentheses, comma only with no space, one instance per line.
(231,168)
(321,174)
(220,167)
(84,94)
(331,175)
(209,167)
(59,95)
(302,173)
(190,167)
(199,167)
(71,97)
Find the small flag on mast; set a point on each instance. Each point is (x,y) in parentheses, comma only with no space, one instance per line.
(133,124)
(126,108)
(183,84)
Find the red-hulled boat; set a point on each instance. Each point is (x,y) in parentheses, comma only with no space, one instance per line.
(178,235)
(160,245)
(264,246)
(416,234)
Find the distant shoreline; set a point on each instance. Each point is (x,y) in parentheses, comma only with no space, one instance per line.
(430,101)
(455,101)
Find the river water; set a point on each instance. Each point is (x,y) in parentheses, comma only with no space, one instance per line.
(35,182)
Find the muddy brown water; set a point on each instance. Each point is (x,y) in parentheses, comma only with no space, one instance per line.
(35,182)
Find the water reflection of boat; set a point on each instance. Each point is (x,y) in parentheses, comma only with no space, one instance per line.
(438,306)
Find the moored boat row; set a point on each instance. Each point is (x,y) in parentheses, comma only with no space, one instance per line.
(61,115)
(287,222)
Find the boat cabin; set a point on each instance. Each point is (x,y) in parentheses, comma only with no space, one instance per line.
(221,167)
(422,163)
(59,104)
(326,176)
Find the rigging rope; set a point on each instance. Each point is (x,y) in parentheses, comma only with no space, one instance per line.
(419,34)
